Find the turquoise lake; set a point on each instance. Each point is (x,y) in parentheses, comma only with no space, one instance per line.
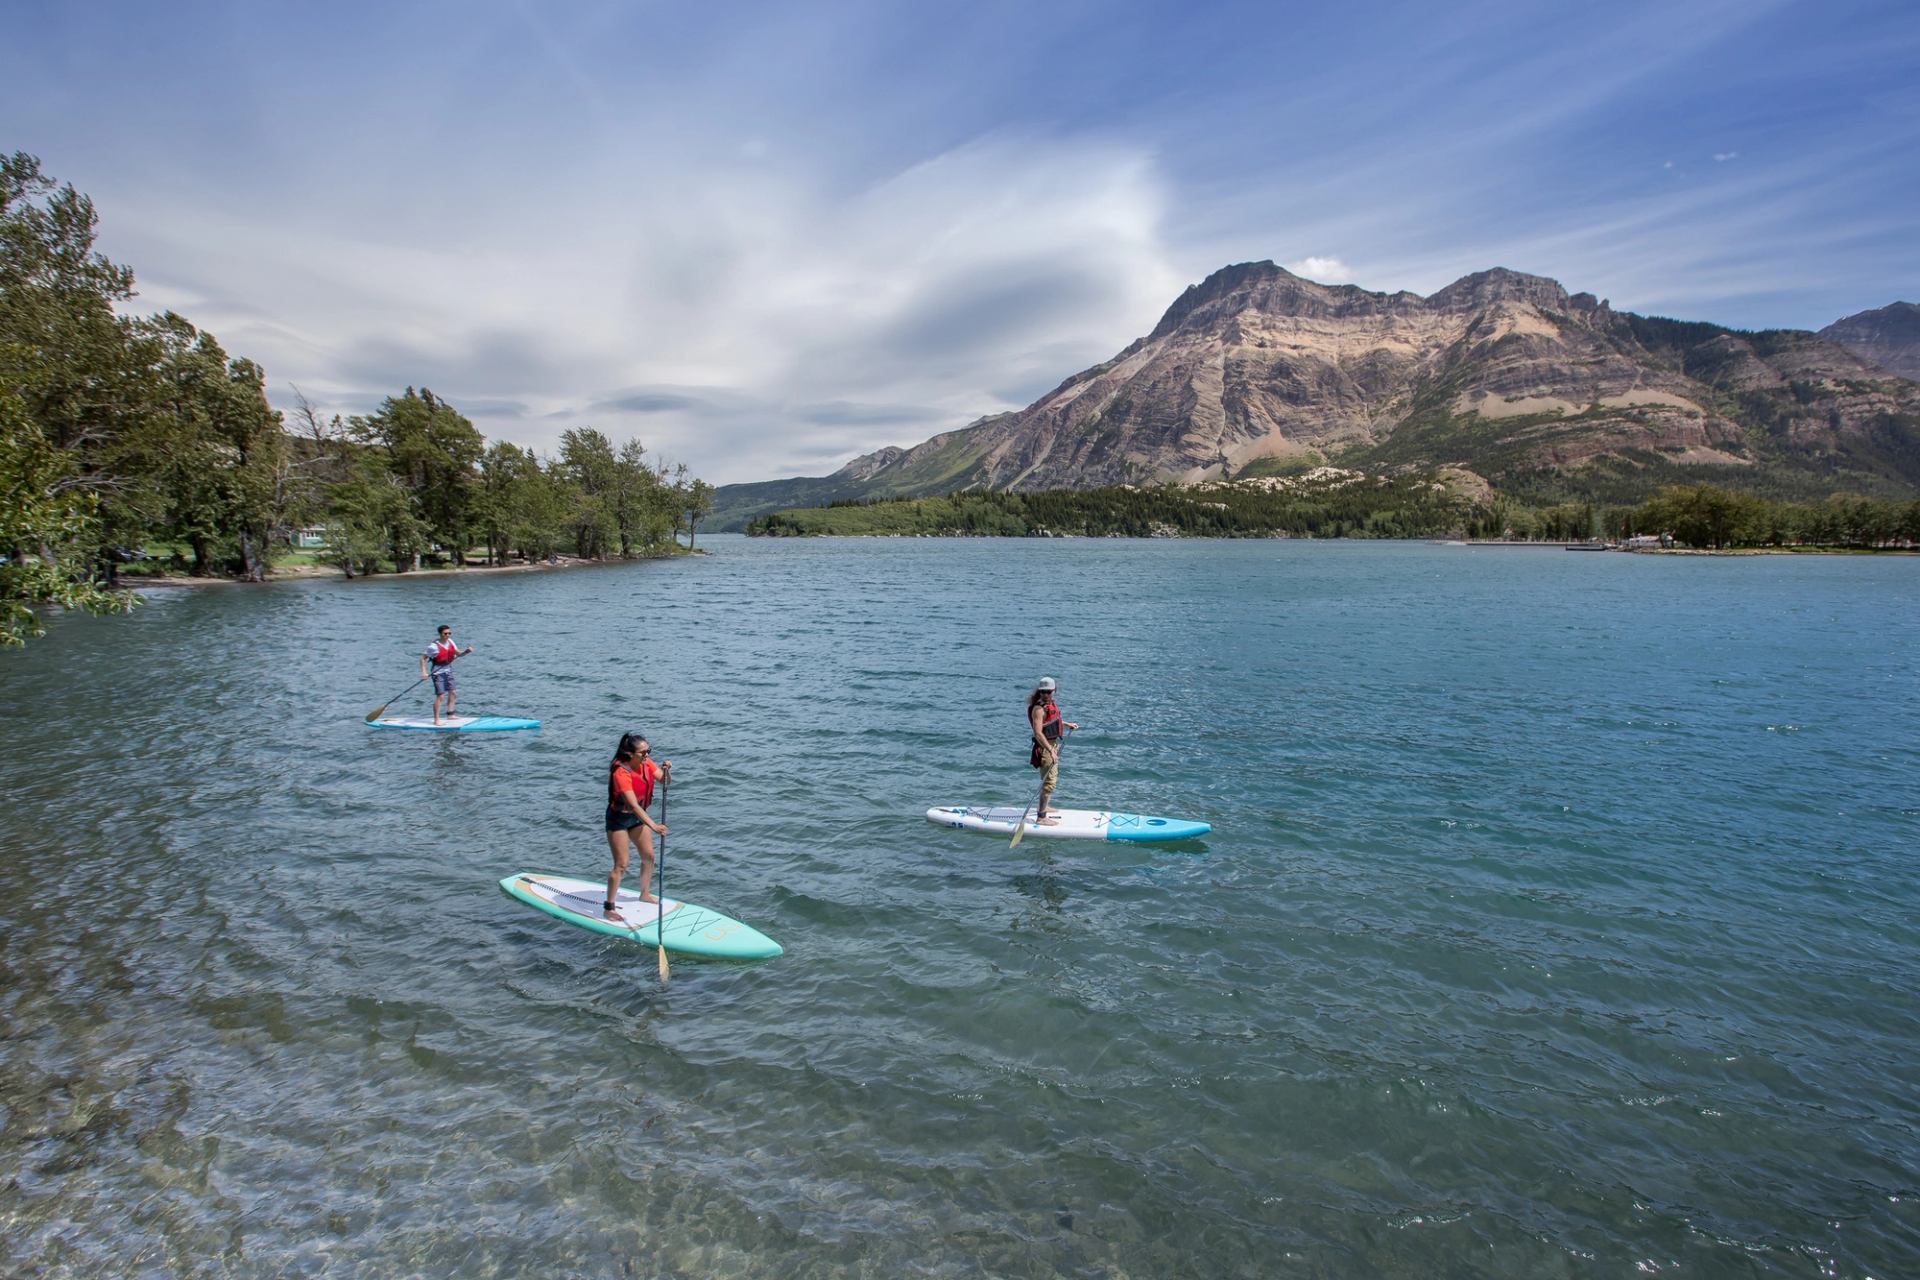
(1560,918)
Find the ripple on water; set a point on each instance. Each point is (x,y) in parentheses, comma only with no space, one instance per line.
(1556,921)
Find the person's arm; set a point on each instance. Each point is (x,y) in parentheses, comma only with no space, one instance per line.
(423,666)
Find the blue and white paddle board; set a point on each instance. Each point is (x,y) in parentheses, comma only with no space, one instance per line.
(1073,824)
(691,930)
(455,724)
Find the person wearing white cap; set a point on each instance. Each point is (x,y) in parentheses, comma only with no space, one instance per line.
(1043,718)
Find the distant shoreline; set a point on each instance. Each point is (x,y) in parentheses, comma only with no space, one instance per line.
(298,573)
(1692,551)
(1803,550)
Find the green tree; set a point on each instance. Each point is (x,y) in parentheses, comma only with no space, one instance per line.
(80,370)
(434,450)
(589,465)
(226,453)
(695,502)
(39,513)
(641,504)
(548,505)
(372,517)
(500,507)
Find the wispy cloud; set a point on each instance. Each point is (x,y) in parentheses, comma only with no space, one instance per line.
(769,239)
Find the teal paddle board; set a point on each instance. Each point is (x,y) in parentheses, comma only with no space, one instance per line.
(455,724)
(691,930)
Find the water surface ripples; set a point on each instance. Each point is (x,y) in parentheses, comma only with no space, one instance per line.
(1559,919)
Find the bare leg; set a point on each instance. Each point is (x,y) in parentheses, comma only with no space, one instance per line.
(451,695)
(616,841)
(643,837)
(436,706)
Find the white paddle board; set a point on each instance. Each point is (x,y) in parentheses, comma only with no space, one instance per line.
(1071,824)
(455,724)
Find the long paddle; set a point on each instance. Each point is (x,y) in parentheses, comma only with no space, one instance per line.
(1021,828)
(381,710)
(660,920)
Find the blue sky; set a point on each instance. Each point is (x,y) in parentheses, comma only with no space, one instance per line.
(767,237)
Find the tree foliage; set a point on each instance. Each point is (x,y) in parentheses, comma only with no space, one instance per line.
(1698,516)
(121,431)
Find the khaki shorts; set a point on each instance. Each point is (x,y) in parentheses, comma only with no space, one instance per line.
(1050,772)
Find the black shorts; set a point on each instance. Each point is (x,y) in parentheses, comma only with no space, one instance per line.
(621,820)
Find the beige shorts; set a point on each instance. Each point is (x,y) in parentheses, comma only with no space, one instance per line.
(1050,772)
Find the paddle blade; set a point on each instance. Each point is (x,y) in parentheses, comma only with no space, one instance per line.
(1019,830)
(376,713)
(663,961)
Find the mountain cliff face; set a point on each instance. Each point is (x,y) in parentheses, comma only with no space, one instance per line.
(1500,374)
(1888,337)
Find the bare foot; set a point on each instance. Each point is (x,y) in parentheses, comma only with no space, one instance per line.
(614,916)
(1046,822)
(647,897)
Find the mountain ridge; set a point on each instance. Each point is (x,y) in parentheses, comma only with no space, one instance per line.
(1502,375)
(1888,337)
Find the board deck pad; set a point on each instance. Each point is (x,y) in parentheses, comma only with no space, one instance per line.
(1073,824)
(455,724)
(690,929)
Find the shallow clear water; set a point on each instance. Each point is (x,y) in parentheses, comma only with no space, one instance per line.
(1560,918)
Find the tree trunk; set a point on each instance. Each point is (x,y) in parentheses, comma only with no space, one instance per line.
(250,565)
(199,545)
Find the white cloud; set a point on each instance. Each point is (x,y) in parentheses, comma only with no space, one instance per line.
(765,246)
(1325,269)
(745,320)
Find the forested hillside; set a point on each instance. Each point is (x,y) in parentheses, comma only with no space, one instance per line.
(1349,505)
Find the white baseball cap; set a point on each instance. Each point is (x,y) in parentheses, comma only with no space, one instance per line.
(1046,685)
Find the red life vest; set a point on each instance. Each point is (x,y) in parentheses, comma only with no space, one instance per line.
(639,780)
(1049,729)
(444,651)
(1050,720)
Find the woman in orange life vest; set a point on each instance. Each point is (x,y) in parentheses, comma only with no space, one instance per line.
(441,654)
(1043,717)
(630,780)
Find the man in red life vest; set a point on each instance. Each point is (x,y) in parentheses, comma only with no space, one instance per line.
(439,657)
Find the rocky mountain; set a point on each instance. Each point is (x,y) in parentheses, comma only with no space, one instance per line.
(1501,375)
(1888,337)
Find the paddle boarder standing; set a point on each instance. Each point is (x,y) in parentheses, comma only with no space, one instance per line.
(436,660)
(630,780)
(1043,718)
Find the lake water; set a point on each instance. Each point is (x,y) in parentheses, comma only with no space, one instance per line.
(1560,919)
